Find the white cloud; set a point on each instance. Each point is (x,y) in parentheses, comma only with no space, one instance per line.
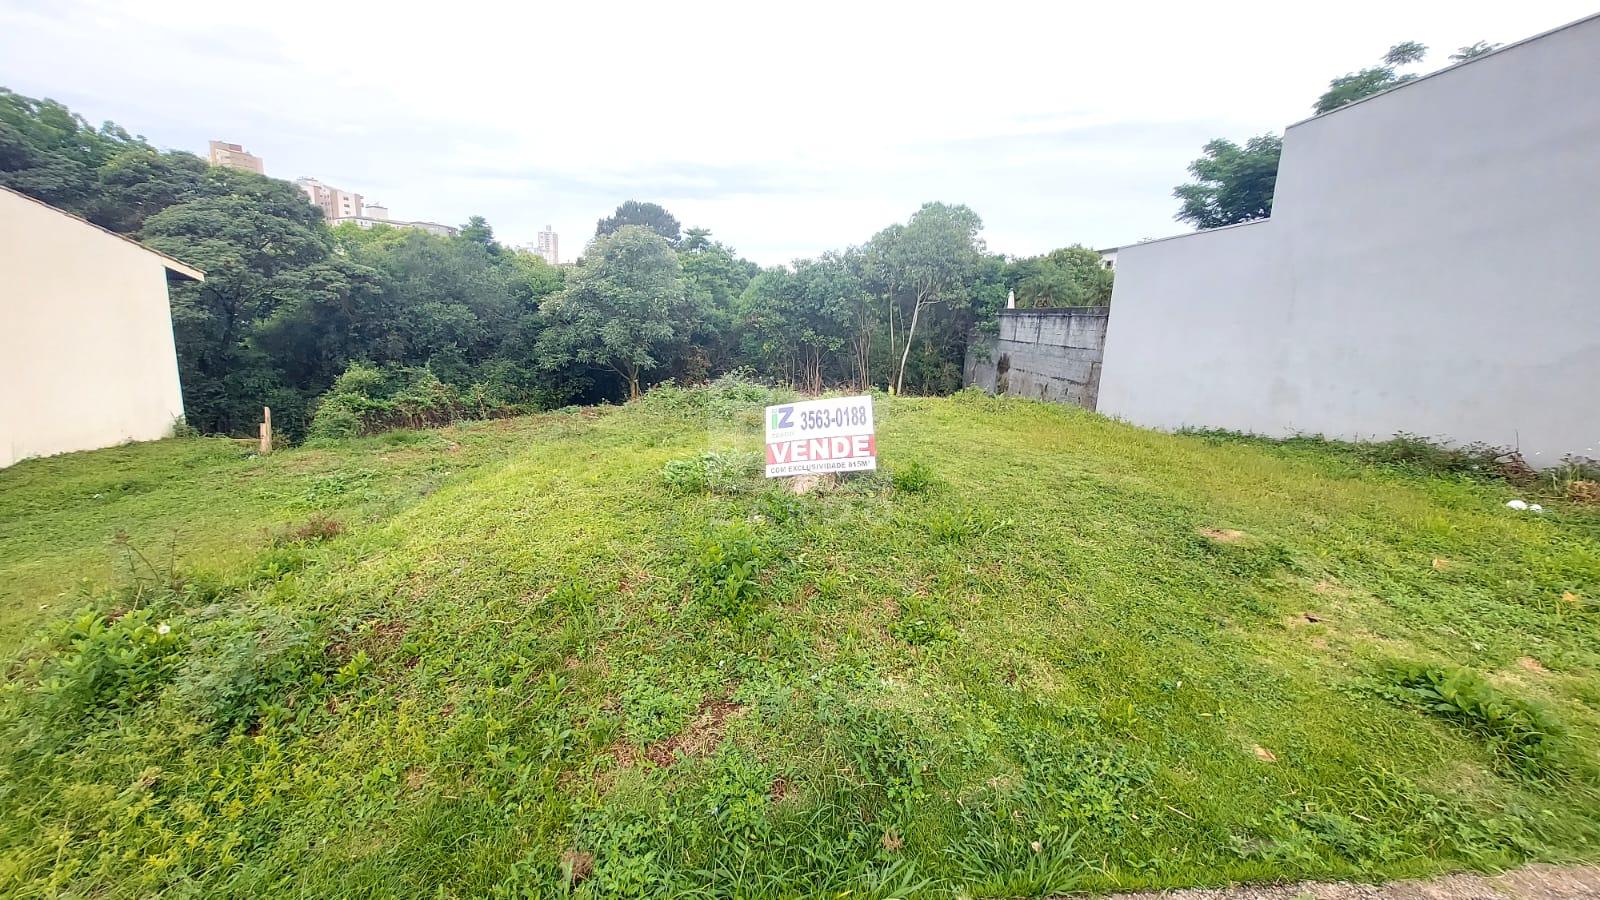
(786,130)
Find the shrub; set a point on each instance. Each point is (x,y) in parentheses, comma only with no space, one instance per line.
(912,478)
(106,660)
(736,395)
(717,471)
(1416,453)
(724,569)
(367,400)
(1524,735)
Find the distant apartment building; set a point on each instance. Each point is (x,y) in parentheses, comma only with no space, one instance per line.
(550,246)
(376,214)
(233,156)
(335,203)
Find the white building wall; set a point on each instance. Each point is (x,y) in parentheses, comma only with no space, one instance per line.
(86,350)
(1432,266)
(1197,330)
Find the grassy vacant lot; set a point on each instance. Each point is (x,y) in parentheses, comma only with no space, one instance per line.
(1041,651)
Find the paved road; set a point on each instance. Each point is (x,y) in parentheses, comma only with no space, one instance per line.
(1532,883)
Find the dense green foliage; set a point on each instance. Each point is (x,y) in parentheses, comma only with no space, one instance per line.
(1473,51)
(626,309)
(643,215)
(1356,85)
(289,305)
(596,645)
(1071,276)
(1232,184)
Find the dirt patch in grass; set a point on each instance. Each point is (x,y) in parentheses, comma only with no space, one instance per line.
(416,778)
(314,530)
(1529,664)
(1224,535)
(703,734)
(577,865)
(384,638)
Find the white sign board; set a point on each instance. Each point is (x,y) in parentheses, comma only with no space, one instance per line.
(817,436)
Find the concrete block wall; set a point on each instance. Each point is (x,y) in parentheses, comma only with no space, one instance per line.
(1046,354)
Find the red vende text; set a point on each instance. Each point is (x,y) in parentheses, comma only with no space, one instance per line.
(818,449)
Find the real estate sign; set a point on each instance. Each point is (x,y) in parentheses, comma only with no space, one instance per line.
(816,436)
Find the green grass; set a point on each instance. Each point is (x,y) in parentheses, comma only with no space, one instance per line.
(1041,651)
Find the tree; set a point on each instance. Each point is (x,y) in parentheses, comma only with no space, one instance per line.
(930,260)
(252,250)
(1232,184)
(621,310)
(715,278)
(797,322)
(1352,87)
(1473,51)
(137,182)
(1070,276)
(477,231)
(645,215)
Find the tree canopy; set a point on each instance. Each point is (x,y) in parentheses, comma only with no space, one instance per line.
(1070,276)
(645,215)
(624,310)
(1232,184)
(1473,51)
(1352,87)
(335,323)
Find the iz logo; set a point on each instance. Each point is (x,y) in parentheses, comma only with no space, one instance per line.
(781,417)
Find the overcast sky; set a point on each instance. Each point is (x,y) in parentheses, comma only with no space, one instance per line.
(787,129)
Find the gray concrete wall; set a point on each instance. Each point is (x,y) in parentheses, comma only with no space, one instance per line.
(1046,354)
(1432,266)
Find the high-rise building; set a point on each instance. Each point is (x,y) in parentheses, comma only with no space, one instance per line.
(550,246)
(233,156)
(334,203)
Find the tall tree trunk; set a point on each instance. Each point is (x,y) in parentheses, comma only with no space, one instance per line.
(890,319)
(863,347)
(900,379)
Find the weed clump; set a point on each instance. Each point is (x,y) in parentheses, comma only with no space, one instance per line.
(714,471)
(1522,734)
(736,396)
(912,478)
(105,660)
(368,400)
(314,530)
(724,570)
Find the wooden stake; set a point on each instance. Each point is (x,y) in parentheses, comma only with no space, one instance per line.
(266,430)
